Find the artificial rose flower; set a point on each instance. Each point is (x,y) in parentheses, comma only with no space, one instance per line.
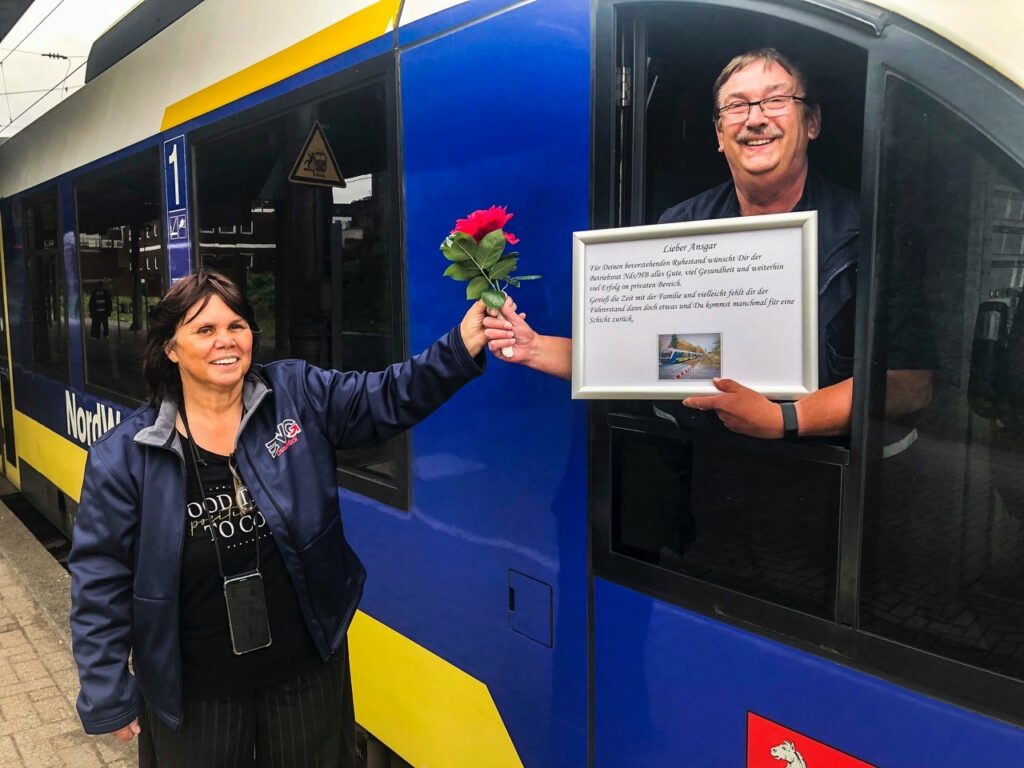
(479,223)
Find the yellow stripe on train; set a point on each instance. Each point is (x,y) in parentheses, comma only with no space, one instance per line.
(59,459)
(424,708)
(361,27)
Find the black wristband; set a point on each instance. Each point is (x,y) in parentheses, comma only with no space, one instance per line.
(790,426)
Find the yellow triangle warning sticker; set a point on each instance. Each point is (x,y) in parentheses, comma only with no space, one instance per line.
(315,163)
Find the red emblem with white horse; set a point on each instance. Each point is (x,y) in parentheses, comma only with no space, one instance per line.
(771,745)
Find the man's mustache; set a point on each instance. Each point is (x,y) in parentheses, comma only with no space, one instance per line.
(767,133)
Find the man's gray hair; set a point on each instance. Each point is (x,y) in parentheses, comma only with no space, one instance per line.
(766,55)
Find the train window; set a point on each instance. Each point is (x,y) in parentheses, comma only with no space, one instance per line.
(752,517)
(676,52)
(730,514)
(943,536)
(47,306)
(319,263)
(121,259)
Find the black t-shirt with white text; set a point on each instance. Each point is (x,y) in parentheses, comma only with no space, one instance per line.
(209,666)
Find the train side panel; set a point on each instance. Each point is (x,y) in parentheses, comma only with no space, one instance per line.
(495,113)
(670,682)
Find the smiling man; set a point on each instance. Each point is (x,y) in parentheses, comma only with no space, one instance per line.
(765,117)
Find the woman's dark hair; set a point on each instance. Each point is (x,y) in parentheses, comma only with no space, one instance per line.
(162,377)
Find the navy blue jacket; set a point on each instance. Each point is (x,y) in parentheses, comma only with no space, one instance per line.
(126,555)
(838,227)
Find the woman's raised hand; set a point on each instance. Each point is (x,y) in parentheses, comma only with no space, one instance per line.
(472,328)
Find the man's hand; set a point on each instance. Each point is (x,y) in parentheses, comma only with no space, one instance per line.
(472,328)
(129,732)
(741,409)
(509,330)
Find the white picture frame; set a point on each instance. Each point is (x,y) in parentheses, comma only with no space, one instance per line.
(659,310)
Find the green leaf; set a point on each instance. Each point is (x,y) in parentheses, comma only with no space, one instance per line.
(491,246)
(459,246)
(514,281)
(529,277)
(476,287)
(502,268)
(512,255)
(493,299)
(462,271)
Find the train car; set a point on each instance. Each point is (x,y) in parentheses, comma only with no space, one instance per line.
(553,584)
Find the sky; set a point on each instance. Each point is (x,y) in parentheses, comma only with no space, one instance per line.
(65,27)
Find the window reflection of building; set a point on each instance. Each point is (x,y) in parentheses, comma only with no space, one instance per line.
(46,288)
(121,253)
(316,262)
(943,558)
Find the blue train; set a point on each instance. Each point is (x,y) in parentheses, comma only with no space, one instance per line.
(553,583)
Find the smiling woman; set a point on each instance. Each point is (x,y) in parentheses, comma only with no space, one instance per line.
(265,586)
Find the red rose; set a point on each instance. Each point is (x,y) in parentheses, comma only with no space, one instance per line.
(479,223)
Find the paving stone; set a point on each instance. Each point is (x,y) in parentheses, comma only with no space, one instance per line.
(9,754)
(14,637)
(30,670)
(20,725)
(39,726)
(16,706)
(43,693)
(81,756)
(53,709)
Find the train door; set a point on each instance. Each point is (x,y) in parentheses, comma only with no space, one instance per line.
(724,566)
(298,203)
(8,455)
(683,506)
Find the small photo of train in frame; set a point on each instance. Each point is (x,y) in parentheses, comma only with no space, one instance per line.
(689,356)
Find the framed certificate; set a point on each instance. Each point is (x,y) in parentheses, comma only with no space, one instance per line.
(659,311)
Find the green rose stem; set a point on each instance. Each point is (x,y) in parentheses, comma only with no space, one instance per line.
(486,267)
(492,311)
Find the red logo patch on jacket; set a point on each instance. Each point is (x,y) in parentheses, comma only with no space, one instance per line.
(285,437)
(770,745)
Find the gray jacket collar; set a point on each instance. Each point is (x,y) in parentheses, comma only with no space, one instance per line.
(163,434)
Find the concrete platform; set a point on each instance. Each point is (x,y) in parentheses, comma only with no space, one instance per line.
(38,680)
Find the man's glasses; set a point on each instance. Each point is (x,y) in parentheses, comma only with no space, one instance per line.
(737,111)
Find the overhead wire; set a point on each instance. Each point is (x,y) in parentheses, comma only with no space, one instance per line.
(6,94)
(45,53)
(39,90)
(38,24)
(67,71)
(51,90)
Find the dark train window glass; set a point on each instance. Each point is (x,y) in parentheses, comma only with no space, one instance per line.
(317,262)
(763,525)
(686,48)
(46,303)
(121,261)
(759,518)
(943,542)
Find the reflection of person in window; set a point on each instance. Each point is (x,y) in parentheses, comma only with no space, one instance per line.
(100,305)
(765,117)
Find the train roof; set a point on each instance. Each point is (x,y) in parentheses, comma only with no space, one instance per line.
(10,12)
(155,77)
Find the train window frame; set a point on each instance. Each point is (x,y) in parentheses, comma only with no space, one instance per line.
(382,69)
(973,91)
(94,172)
(62,371)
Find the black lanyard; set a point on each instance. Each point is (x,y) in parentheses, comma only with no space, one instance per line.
(242,498)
